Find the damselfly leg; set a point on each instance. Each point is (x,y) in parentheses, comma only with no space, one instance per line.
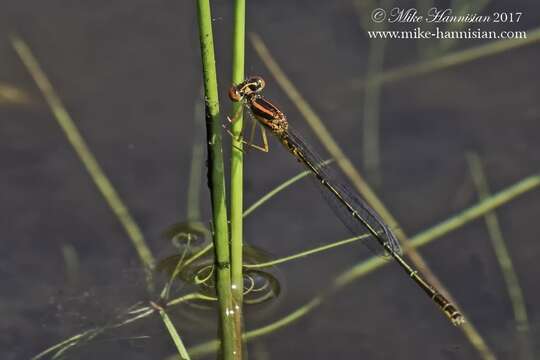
(232,120)
(250,144)
(254,125)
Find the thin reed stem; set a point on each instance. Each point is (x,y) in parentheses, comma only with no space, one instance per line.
(237,176)
(279,188)
(86,156)
(371,149)
(502,254)
(182,352)
(306,252)
(216,181)
(197,156)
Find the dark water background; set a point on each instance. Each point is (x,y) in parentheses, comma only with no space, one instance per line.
(129,74)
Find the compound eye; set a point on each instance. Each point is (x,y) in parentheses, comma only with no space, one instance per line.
(257,83)
(260,82)
(234,94)
(254,84)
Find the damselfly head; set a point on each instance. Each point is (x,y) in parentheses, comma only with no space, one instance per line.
(235,95)
(251,85)
(254,84)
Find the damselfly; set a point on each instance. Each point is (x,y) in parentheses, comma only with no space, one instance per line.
(356,214)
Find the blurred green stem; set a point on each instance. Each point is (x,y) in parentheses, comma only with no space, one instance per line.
(503,256)
(216,181)
(86,156)
(71,262)
(195,173)
(371,152)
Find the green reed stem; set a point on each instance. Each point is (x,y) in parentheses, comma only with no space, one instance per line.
(216,181)
(174,335)
(71,263)
(13,95)
(306,252)
(275,191)
(85,155)
(197,159)
(280,188)
(237,176)
(371,149)
(502,254)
